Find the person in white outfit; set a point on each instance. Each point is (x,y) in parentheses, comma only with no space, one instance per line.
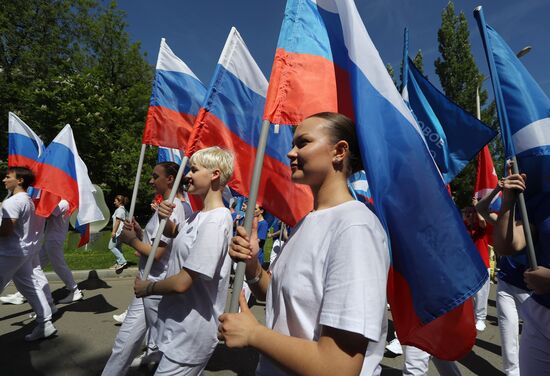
(195,289)
(20,233)
(511,292)
(57,227)
(326,293)
(142,313)
(509,238)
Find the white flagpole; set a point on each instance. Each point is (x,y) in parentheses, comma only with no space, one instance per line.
(249,216)
(136,182)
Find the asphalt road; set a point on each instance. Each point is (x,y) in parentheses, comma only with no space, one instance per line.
(86,333)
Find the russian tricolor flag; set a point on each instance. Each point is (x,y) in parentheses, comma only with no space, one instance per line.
(61,172)
(24,146)
(325,61)
(175,102)
(231,117)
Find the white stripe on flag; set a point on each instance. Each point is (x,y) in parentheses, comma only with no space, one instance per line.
(168,61)
(533,135)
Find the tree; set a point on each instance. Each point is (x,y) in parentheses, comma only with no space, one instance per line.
(71,61)
(460,79)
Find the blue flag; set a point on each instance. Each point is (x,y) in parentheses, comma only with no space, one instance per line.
(523,110)
(454,137)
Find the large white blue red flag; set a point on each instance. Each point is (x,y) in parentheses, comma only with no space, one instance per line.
(61,172)
(175,101)
(24,146)
(231,117)
(523,111)
(326,61)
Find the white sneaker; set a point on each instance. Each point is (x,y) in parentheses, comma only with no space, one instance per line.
(120,318)
(149,360)
(139,360)
(480,325)
(54,309)
(16,298)
(395,347)
(73,296)
(43,330)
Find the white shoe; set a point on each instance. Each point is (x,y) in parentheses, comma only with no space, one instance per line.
(480,325)
(54,309)
(149,360)
(139,360)
(16,298)
(395,347)
(120,318)
(73,296)
(43,330)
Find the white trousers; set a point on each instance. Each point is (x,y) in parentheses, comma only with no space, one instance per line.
(509,299)
(142,315)
(534,349)
(481,298)
(167,367)
(20,270)
(417,362)
(52,251)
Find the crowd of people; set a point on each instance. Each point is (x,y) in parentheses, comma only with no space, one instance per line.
(324,284)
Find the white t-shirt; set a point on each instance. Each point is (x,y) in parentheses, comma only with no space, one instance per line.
(28,230)
(57,224)
(331,272)
(120,213)
(187,323)
(159,267)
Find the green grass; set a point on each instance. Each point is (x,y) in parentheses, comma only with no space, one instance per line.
(98,256)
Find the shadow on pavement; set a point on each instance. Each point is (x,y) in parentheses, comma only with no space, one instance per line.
(93,282)
(96,304)
(389,371)
(479,366)
(240,361)
(495,349)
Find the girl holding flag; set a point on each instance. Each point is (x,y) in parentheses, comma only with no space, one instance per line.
(509,238)
(326,293)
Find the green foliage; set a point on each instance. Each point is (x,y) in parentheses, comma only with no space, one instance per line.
(460,79)
(391,72)
(419,61)
(71,62)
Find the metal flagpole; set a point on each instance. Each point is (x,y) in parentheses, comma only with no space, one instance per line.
(249,216)
(503,118)
(136,182)
(162,223)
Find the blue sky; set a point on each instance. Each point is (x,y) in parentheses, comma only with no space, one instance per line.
(196,29)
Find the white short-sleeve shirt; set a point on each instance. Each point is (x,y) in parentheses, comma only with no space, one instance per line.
(57,224)
(160,266)
(187,323)
(332,272)
(28,230)
(120,213)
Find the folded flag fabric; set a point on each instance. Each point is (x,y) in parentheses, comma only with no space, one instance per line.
(231,117)
(175,102)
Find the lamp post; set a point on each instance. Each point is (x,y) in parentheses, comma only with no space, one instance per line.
(521,53)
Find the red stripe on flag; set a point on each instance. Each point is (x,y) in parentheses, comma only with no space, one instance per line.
(168,128)
(57,182)
(449,337)
(21,161)
(302,85)
(277,194)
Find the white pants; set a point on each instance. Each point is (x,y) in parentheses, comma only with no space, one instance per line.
(167,367)
(142,315)
(534,349)
(40,280)
(52,251)
(417,362)
(20,270)
(509,299)
(481,298)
